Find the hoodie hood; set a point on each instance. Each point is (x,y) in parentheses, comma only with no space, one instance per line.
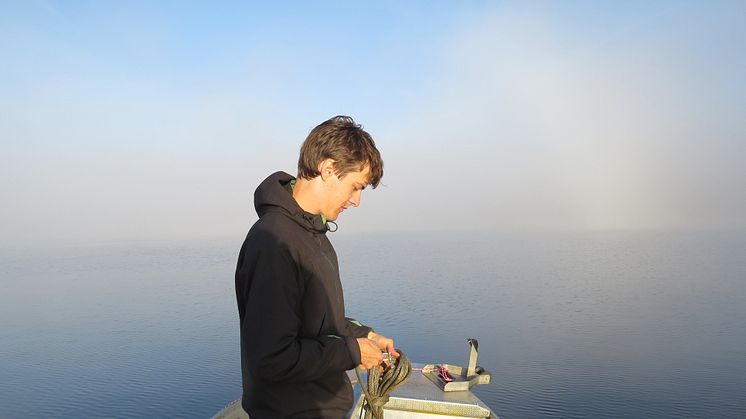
(275,194)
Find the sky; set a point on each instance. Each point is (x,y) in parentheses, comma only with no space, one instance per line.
(157,120)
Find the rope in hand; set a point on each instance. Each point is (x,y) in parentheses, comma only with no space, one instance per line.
(382,384)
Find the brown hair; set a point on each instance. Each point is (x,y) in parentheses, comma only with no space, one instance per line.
(345,142)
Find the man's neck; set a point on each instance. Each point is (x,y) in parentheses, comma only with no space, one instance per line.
(305,194)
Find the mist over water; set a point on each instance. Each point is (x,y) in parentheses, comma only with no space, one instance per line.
(570,324)
(133,122)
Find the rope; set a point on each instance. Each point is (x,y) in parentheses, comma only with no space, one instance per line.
(382,384)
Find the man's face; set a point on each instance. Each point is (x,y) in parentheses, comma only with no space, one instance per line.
(344,192)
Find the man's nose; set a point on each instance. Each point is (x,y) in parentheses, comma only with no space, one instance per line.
(355,198)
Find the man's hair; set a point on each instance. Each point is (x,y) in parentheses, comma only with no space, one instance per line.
(345,142)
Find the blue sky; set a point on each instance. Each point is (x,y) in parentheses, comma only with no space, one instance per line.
(156,120)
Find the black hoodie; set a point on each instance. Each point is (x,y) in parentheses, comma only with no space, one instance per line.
(296,343)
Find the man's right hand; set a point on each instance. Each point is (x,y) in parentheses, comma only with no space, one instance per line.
(370,354)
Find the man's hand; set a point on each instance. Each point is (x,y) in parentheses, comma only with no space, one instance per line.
(383,343)
(370,354)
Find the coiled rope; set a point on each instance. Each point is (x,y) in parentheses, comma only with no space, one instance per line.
(382,384)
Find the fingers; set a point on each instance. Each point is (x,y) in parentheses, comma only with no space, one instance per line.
(392,350)
(370,355)
(384,343)
(371,351)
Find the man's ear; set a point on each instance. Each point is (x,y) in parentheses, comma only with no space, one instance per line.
(327,168)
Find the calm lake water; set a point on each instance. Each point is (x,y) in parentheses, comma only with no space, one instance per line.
(571,325)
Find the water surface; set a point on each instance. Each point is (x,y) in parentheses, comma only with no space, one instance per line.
(570,325)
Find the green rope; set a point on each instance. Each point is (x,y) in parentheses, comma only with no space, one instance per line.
(382,384)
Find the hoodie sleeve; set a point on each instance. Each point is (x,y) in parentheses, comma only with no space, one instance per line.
(272,324)
(357,329)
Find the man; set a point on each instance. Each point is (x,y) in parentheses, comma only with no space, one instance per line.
(296,342)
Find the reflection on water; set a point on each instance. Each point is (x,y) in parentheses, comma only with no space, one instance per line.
(570,325)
